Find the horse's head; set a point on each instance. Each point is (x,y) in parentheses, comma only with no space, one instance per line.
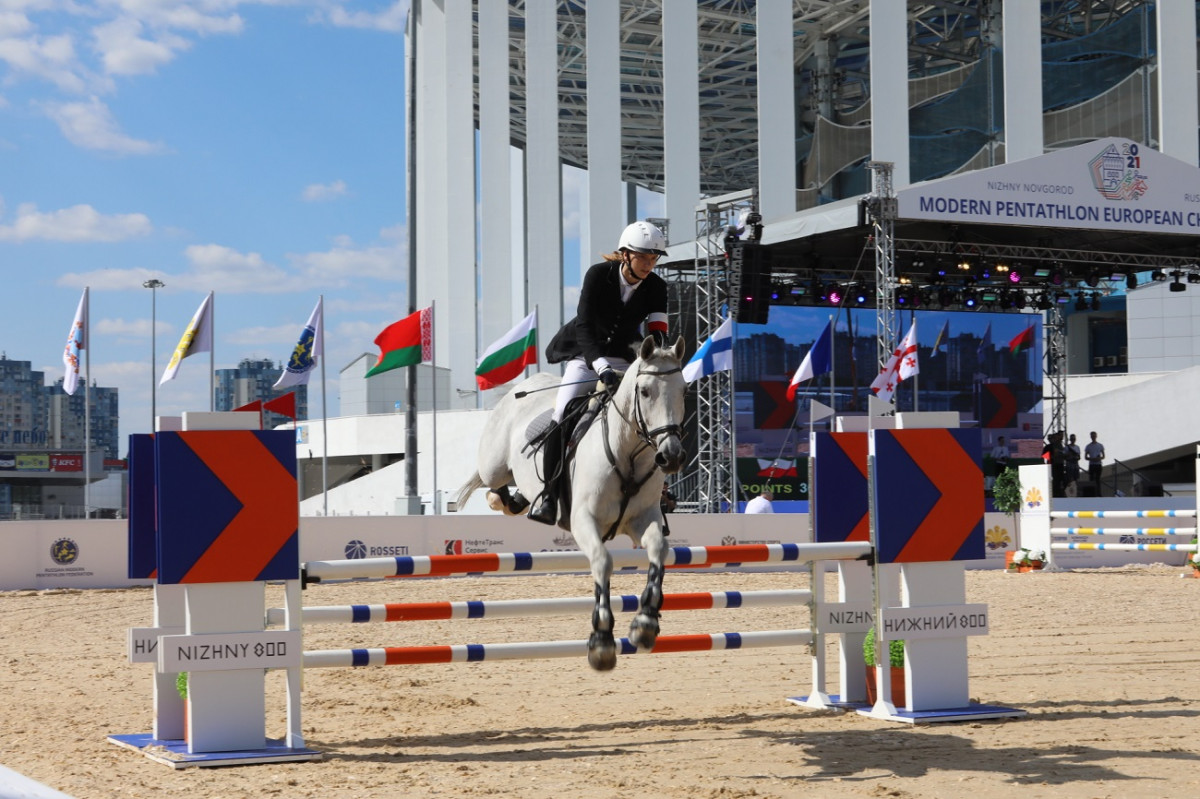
(657,390)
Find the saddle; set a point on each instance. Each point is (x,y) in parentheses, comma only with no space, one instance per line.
(579,415)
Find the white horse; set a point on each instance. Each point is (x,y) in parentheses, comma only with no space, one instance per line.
(615,478)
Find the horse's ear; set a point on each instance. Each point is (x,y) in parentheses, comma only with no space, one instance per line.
(647,348)
(679,347)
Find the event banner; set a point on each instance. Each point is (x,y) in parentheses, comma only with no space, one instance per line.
(1109,184)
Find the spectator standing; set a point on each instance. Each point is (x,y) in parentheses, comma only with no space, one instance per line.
(1000,456)
(1052,454)
(1094,452)
(761,503)
(1072,456)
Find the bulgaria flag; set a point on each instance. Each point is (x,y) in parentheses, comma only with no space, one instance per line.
(1022,342)
(404,343)
(507,357)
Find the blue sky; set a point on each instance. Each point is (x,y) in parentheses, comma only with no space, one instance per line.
(251,148)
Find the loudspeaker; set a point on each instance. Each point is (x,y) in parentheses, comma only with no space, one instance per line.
(750,282)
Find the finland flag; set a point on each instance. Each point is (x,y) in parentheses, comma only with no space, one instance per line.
(715,354)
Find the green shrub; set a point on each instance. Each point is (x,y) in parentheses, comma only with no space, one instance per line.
(895,651)
(181,684)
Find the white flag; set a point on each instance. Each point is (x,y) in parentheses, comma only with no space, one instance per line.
(76,341)
(901,366)
(310,347)
(197,338)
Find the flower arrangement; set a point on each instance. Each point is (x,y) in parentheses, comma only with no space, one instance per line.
(1194,562)
(1031,558)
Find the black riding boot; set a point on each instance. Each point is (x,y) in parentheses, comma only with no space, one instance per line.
(545,508)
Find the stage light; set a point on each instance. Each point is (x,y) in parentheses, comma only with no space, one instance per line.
(1193,277)
(835,296)
(1081,303)
(1131,281)
(969,300)
(1062,297)
(1057,276)
(1177,284)
(1014,277)
(937,276)
(1019,300)
(1158,276)
(1095,301)
(1044,303)
(860,296)
(1093,278)
(946,298)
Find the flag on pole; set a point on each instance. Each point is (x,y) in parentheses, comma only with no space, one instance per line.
(404,343)
(310,347)
(942,337)
(1022,341)
(715,354)
(508,356)
(901,366)
(196,338)
(780,467)
(985,344)
(817,361)
(76,341)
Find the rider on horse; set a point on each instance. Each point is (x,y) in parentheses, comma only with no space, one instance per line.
(618,295)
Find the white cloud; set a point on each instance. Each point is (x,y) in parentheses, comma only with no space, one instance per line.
(317,192)
(342,263)
(216,266)
(277,334)
(13,23)
(392,19)
(119,328)
(125,51)
(77,223)
(91,125)
(50,58)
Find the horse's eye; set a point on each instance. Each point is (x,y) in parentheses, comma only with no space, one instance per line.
(645,392)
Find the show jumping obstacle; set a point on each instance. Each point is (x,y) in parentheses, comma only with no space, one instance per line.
(1040,531)
(205,603)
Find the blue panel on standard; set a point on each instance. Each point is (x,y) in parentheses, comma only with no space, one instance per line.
(143,524)
(840,499)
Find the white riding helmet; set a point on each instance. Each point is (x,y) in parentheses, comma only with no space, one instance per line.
(643,237)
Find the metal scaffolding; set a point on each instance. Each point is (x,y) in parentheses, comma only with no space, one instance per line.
(882,210)
(717,446)
(1054,389)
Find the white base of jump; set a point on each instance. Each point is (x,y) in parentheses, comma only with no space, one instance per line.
(174,752)
(970,713)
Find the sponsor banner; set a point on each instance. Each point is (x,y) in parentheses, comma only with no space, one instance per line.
(8,461)
(846,617)
(271,649)
(62,462)
(143,642)
(1110,184)
(786,478)
(33,463)
(934,621)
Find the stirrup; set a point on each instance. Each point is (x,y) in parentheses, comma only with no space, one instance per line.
(545,510)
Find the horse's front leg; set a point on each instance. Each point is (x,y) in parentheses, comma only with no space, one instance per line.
(643,631)
(602,646)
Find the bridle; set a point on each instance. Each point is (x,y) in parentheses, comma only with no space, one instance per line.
(648,439)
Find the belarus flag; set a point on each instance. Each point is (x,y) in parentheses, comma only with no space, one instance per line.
(404,343)
(1022,341)
(509,356)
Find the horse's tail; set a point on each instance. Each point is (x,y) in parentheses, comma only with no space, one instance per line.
(468,488)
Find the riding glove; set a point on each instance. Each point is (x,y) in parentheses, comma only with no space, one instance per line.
(610,379)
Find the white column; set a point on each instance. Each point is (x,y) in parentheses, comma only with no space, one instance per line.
(1177,115)
(456,333)
(776,110)
(433,282)
(681,117)
(889,87)
(496,267)
(543,172)
(605,197)
(1023,137)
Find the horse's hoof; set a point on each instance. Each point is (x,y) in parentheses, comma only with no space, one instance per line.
(603,658)
(643,632)
(602,651)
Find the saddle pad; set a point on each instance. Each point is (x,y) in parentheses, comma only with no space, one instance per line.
(539,425)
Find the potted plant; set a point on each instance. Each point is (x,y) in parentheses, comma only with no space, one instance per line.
(181,685)
(1193,563)
(895,663)
(1026,560)
(1006,496)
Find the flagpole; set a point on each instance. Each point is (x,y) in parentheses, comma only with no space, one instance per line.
(87,403)
(324,416)
(917,376)
(437,510)
(212,352)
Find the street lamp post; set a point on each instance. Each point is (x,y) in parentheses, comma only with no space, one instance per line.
(153,284)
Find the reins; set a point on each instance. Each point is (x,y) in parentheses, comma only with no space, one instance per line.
(646,439)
